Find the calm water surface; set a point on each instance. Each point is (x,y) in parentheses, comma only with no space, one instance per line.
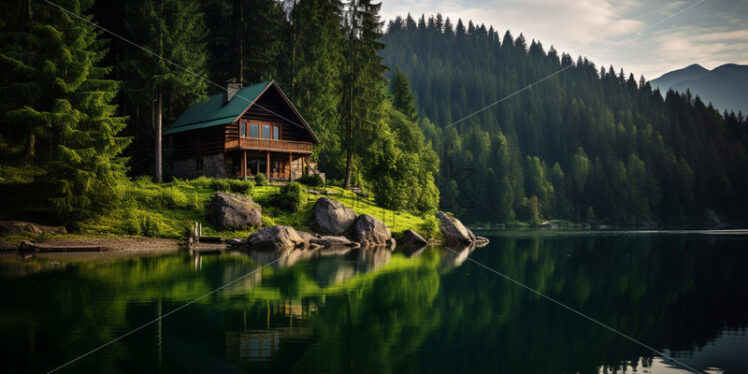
(371,311)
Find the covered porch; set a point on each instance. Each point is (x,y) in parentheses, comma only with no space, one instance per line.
(275,165)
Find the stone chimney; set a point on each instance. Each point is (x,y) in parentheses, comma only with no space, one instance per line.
(232,88)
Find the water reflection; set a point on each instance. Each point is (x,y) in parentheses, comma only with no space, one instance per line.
(374,310)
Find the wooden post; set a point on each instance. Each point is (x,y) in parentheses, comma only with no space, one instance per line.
(267,165)
(244,164)
(290,161)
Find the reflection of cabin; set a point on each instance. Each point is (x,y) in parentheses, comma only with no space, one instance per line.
(242,132)
(283,323)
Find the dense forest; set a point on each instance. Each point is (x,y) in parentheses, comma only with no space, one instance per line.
(86,109)
(588,144)
(86,104)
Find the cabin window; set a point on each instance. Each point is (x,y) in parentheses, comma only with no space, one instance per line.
(243,129)
(276,132)
(254,130)
(199,164)
(266,131)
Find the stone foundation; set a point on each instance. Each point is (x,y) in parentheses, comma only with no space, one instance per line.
(213,166)
(296,169)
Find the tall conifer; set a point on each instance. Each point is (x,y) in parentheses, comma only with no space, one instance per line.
(56,101)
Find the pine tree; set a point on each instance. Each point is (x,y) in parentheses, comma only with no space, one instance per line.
(402,96)
(316,80)
(363,81)
(175,30)
(57,103)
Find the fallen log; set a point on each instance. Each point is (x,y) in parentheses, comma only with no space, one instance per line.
(210,239)
(27,246)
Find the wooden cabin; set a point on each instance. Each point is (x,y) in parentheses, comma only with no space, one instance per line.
(241,132)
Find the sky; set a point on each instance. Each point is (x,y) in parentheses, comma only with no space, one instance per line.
(644,37)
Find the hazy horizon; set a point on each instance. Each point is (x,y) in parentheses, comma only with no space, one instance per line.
(642,38)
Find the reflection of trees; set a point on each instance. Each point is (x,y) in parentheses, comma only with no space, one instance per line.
(670,292)
(86,305)
(377,327)
(382,312)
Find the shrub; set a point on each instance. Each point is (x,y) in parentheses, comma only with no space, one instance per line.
(430,228)
(143,181)
(290,197)
(220,185)
(241,186)
(150,225)
(173,198)
(195,201)
(267,221)
(261,180)
(202,182)
(312,180)
(131,226)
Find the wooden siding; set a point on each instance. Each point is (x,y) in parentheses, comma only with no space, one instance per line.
(198,143)
(271,109)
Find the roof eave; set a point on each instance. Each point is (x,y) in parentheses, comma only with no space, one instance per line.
(296,112)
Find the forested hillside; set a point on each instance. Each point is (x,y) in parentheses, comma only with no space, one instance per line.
(590,144)
(82,107)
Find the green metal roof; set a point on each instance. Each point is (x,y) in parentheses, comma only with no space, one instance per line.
(213,112)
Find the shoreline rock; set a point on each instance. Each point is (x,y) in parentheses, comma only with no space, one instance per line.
(456,234)
(369,231)
(331,216)
(234,211)
(454,231)
(412,239)
(275,238)
(328,241)
(8,227)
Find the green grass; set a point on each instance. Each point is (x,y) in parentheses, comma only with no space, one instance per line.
(167,209)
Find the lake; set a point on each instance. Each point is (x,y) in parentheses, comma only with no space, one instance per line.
(376,311)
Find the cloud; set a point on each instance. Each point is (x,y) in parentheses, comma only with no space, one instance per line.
(735,35)
(638,35)
(675,5)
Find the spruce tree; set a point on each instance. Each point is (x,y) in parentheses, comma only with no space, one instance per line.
(57,104)
(314,73)
(175,30)
(363,80)
(402,97)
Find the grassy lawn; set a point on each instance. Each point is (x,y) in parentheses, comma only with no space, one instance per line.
(166,210)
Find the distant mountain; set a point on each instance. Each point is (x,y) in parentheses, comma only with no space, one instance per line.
(726,87)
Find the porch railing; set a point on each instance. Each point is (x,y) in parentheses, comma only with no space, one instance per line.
(268,145)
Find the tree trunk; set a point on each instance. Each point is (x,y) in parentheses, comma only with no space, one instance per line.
(32,146)
(293,52)
(347,169)
(157,152)
(241,43)
(349,150)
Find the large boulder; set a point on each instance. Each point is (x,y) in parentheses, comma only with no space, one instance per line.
(234,211)
(331,217)
(307,236)
(455,233)
(412,239)
(368,230)
(20,227)
(275,238)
